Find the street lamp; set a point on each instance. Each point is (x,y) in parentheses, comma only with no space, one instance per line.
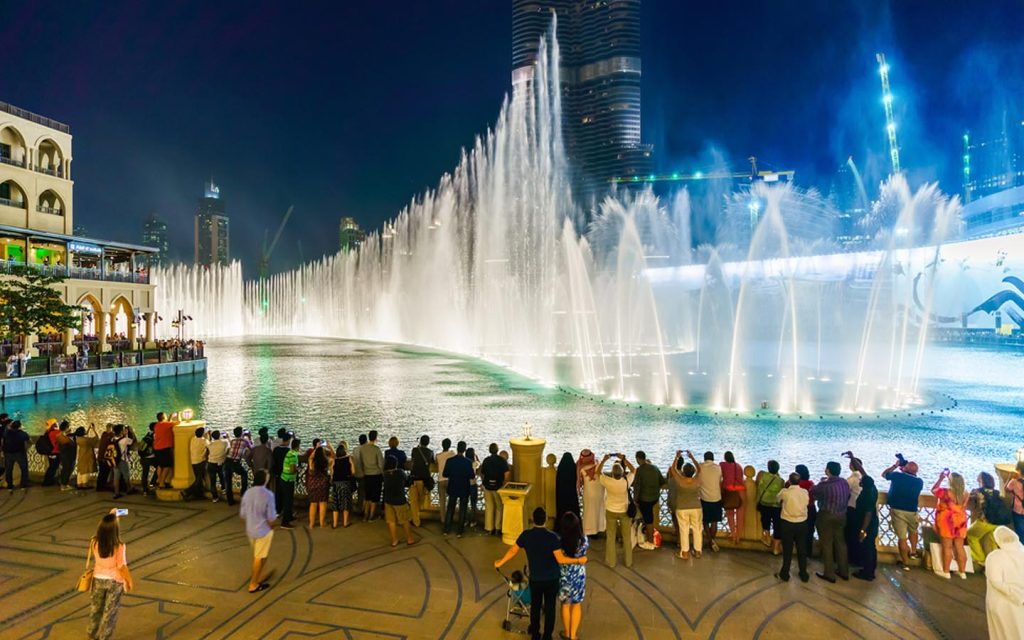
(179,322)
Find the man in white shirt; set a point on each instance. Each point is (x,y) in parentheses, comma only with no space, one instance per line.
(443,456)
(197,458)
(793,527)
(216,454)
(711,497)
(852,529)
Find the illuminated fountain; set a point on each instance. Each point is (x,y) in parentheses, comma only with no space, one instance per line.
(495,263)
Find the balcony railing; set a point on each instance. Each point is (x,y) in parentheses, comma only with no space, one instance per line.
(78,273)
(50,210)
(34,117)
(59,173)
(12,162)
(13,203)
(47,363)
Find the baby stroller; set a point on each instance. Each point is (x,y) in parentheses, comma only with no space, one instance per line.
(517,604)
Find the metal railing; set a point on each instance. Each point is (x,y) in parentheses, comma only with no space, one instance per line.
(57,364)
(12,162)
(34,117)
(50,210)
(78,273)
(59,173)
(12,203)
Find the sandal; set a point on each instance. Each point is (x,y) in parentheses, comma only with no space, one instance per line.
(263,587)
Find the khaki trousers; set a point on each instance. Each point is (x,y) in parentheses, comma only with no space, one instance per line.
(492,510)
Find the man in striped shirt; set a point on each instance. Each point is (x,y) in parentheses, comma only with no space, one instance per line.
(832,494)
(240,449)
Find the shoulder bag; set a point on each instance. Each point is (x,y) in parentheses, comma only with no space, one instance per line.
(428,482)
(85,581)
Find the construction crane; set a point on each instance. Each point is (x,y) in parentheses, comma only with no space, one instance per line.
(265,257)
(890,120)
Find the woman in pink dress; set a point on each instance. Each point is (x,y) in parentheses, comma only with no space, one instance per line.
(733,488)
(951,521)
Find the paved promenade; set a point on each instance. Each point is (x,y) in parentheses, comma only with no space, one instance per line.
(191,562)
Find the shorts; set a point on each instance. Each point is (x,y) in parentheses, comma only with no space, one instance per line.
(261,546)
(373,486)
(396,513)
(646,511)
(164,457)
(903,522)
(711,511)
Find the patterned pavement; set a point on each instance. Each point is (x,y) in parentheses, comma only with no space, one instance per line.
(190,562)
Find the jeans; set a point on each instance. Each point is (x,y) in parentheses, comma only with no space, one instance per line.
(231,467)
(690,521)
(216,472)
(286,494)
(449,513)
(147,465)
(196,489)
(618,522)
(105,603)
(833,544)
(793,534)
(543,594)
(52,464)
(121,472)
(492,511)
(20,459)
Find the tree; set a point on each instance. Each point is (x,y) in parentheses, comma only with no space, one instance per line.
(30,304)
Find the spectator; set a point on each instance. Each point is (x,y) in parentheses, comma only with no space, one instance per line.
(769,484)
(343,477)
(988,511)
(262,456)
(422,482)
(111,578)
(734,496)
(86,463)
(710,497)
(239,451)
(951,521)
(686,478)
(103,468)
(257,509)
(1015,490)
(197,458)
(443,456)
(494,472)
(852,530)
(360,485)
(371,458)
(865,516)
(278,456)
(147,458)
(318,484)
(616,502)
(904,492)
(647,484)
(474,487)
(52,452)
(1004,591)
(540,546)
(395,452)
(567,497)
(216,455)
(15,445)
(832,494)
(795,501)
(812,510)
(573,578)
(163,448)
(286,484)
(396,506)
(67,453)
(124,438)
(458,470)
(593,493)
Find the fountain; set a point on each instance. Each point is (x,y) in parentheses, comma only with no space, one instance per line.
(496,263)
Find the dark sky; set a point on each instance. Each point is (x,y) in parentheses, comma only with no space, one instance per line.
(352,108)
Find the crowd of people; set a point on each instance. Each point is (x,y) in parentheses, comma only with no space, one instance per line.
(611,496)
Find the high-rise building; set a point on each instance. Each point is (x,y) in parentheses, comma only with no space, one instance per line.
(154,234)
(850,201)
(350,235)
(599,43)
(994,160)
(212,246)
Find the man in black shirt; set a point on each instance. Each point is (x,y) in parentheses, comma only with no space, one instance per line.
(459,473)
(422,457)
(494,472)
(276,468)
(540,546)
(396,507)
(15,444)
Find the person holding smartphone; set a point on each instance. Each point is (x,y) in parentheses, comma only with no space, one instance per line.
(616,504)
(951,520)
(111,578)
(904,491)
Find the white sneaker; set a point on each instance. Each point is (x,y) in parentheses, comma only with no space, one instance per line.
(963,576)
(714,546)
(943,574)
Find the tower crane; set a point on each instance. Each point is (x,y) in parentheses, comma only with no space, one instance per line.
(890,120)
(265,256)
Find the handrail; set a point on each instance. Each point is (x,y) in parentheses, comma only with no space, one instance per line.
(34,117)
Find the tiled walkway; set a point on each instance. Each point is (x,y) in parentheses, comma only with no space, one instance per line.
(190,562)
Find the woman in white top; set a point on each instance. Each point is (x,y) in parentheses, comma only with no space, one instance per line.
(593,493)
(616,488)
(111,578)
(793,527)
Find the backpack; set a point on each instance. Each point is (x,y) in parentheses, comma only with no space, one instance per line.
(146,446)
(110,454)
(996,511)
(44,446)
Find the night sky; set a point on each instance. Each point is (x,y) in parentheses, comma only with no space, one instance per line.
(352,108)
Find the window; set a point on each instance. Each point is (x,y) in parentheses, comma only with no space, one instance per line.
(5,190)
(5,151)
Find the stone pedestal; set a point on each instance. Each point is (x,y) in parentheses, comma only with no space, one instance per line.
(526,467)
(183,434)
(513,516)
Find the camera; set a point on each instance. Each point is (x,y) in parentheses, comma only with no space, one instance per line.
(902,460)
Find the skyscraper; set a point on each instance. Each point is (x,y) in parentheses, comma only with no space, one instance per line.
(600,74)
(350,236)
(154,234)
(994,159)
(212,245)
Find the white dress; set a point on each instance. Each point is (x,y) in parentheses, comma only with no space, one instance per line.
(1004,596)
(593,506)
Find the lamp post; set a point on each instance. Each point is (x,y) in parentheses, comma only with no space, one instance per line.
(179,322)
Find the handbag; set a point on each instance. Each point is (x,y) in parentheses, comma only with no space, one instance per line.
(730,499)
(85,581)
(631,509)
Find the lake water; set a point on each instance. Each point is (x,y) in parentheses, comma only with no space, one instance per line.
(319,387)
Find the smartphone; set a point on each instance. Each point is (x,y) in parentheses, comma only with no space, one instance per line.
(121,512)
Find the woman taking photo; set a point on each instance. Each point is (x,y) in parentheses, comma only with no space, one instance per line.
(951,521)
(111,578)
(341,490)
(734,496)
(571,561)
(318,485)
(688,509)
(769,484)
